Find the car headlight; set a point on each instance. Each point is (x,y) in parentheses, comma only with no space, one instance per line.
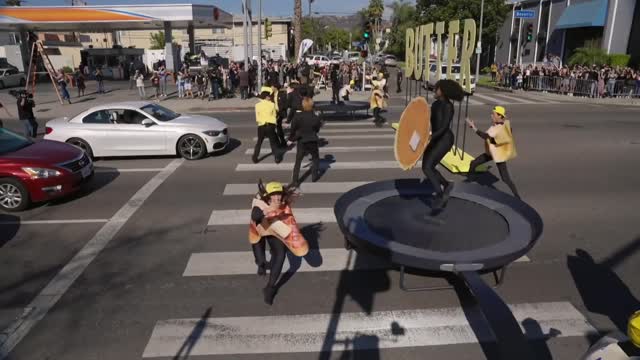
(215,132)
(41,173)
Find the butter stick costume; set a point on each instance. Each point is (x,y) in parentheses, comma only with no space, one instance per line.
(499,146)
(275,224)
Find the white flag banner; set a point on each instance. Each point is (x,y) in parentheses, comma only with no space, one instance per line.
(305,45)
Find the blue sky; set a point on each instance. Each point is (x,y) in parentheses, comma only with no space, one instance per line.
(269,7)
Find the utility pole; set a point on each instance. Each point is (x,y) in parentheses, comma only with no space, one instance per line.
(246,39)
(260,46)
(250,12)
(479,48)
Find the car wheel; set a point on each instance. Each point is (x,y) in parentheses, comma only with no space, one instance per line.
(22,82)
(13,195)
(191,147)
(82,145)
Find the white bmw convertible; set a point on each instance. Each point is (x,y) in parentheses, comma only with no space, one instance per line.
(140,128)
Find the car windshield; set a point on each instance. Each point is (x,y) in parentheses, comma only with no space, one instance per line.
(160,113)
(10,141)
(454,69)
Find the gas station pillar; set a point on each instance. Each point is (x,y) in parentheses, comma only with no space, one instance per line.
(169,51)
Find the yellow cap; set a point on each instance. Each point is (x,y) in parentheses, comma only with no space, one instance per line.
(634,329)
(266,89)
(500,111)
(352,82)
(380,76)
(274,187)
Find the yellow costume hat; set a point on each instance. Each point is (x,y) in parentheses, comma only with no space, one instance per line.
(380,76)
(500,111)
(634,329)
(274,187)
(352,82)
(266,89)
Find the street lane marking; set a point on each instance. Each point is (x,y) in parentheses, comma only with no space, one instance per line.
(54,290)
(305,188)
(242,217)
(338,137)
(324,165)
(332,149)
(350,131)
(242,262)
(354,331)
(100,169)
(492,100)
(46,222)
(517,99)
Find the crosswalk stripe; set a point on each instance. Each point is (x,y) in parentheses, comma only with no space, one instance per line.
(242,217)
(492,100)
(516,99)
(349,137)
(305,188)
(242,262)
(334,149)
(355,165)
(475,102)
(373,129)
(353,331)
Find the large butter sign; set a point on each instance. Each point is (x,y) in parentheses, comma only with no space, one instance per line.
(418,50)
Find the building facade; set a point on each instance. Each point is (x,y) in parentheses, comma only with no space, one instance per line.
(558,27)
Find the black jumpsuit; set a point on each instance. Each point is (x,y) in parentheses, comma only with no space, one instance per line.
(277,248)
(441,142)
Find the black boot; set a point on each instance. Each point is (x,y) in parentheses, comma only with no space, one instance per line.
(262,270)
(269,293)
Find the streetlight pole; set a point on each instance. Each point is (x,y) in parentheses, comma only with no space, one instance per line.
(479,48)
(259,45)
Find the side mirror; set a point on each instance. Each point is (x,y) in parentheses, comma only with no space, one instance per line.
(147,122)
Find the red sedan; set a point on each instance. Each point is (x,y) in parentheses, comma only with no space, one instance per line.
(38,171)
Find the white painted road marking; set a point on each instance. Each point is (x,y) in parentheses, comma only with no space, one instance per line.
(308,333)
(99,169)
(491,99)
(338,165)
(348,131)
(340,137)
(50,295)
(305,188)
(49,222)
(242,262)
(242,217)
(333,149)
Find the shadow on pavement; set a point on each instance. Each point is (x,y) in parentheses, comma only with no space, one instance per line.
(192,339)
(233,144)
(95,183)
(601,289)
(9,226)
(314,258)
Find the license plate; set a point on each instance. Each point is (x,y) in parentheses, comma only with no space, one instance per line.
(86,171)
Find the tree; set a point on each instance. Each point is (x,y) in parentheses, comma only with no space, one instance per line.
(297,24)
(403,17)
(157,40)
(13,2)
(374,14)
(589,56)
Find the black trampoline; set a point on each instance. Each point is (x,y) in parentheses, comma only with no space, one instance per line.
(480,229)
(349,107)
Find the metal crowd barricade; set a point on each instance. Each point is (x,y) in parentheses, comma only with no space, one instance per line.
(624,88)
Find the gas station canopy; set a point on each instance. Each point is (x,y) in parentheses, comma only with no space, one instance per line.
(112,18)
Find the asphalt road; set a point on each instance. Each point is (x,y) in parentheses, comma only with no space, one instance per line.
(144,254)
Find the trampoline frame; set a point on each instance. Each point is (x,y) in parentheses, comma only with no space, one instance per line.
(348,107)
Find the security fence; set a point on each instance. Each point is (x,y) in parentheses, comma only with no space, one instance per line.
(575,87)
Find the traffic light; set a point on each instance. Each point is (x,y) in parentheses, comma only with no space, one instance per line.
(267,29)
(367,31)
(529,32)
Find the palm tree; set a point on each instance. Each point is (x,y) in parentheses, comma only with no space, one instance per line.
(297,24)
(13,3)
(589,56)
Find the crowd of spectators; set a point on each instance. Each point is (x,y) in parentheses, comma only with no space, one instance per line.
(589,81)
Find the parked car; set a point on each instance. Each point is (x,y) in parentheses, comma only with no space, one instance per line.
(390,60)
(319,60)
(140,128)
(455,71)
(336,59)
(38,171)
(11,77)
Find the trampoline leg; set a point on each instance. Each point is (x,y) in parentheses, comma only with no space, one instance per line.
(404,287)
(499,278)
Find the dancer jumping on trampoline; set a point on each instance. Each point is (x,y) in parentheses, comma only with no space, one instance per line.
(272,221)
(499,146)
(442,112)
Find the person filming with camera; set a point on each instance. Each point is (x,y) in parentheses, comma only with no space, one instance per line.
(25,113)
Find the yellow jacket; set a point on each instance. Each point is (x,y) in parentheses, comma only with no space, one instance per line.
(265,112)
(504,148)
(377,101)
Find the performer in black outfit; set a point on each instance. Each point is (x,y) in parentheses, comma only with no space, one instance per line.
(442,111)
(335,84)
(294,100)
(304,130)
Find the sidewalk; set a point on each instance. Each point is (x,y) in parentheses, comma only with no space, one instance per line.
(48,107)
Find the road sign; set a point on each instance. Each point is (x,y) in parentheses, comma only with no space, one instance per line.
(525,14)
